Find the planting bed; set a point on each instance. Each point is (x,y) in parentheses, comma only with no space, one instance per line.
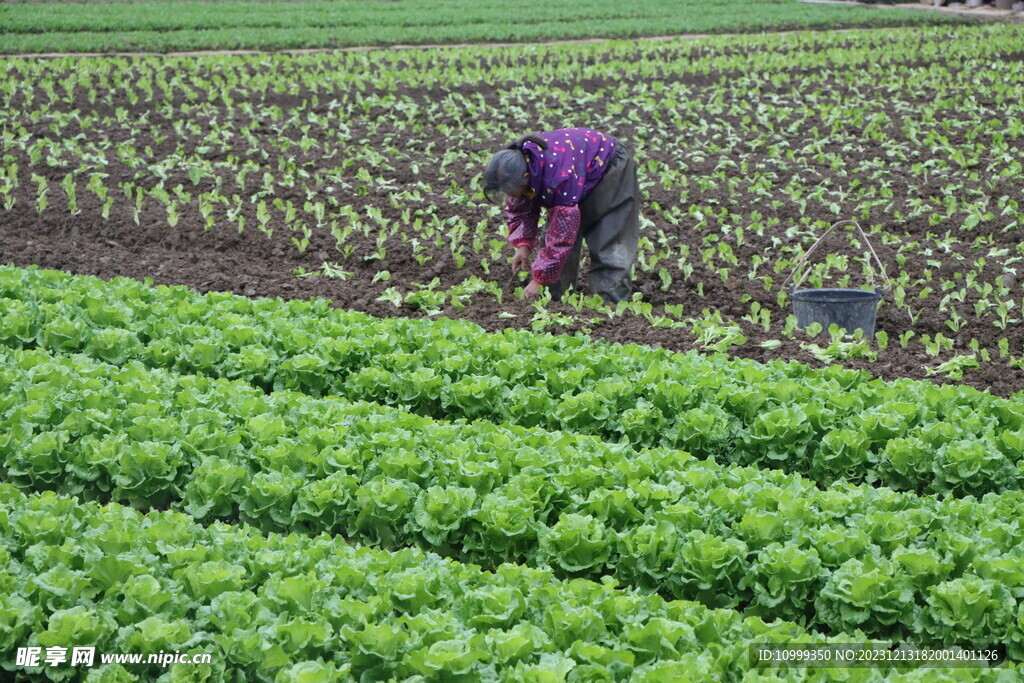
(214,171)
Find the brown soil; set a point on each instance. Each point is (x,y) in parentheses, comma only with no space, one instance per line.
(251,264)
(366,48)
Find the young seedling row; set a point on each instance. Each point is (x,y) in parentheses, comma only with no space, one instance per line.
(332,173)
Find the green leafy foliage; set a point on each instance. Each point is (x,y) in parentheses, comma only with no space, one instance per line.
(293,608)
(850,557)
(829,424)
(320,24)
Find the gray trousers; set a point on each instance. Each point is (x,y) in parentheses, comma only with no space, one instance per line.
(610,224)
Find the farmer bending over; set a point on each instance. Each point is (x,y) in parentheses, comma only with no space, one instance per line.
(587,182)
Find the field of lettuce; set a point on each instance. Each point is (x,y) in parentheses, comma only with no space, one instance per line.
(317,494)
(302,422)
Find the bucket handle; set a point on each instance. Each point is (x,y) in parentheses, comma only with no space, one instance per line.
(799,280)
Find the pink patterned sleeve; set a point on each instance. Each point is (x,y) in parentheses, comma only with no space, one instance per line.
(522,216)
(563,227)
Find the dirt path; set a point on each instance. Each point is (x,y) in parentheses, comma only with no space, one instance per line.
(359,48)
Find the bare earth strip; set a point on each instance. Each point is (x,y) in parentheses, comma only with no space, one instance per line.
(365,48)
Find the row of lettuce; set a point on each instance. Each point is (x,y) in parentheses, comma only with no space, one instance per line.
(829,424)
(892,565)
(633,561)
(298,608)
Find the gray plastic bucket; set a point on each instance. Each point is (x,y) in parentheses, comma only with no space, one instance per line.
(853,309)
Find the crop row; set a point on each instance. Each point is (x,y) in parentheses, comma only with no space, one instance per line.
(294,608)
(95,26)
(829,424)
(892,565)
(315,608)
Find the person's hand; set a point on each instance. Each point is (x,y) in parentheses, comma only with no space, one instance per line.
(532,290)
(520,260)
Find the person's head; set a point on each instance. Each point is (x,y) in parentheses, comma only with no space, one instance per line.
(507,174)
